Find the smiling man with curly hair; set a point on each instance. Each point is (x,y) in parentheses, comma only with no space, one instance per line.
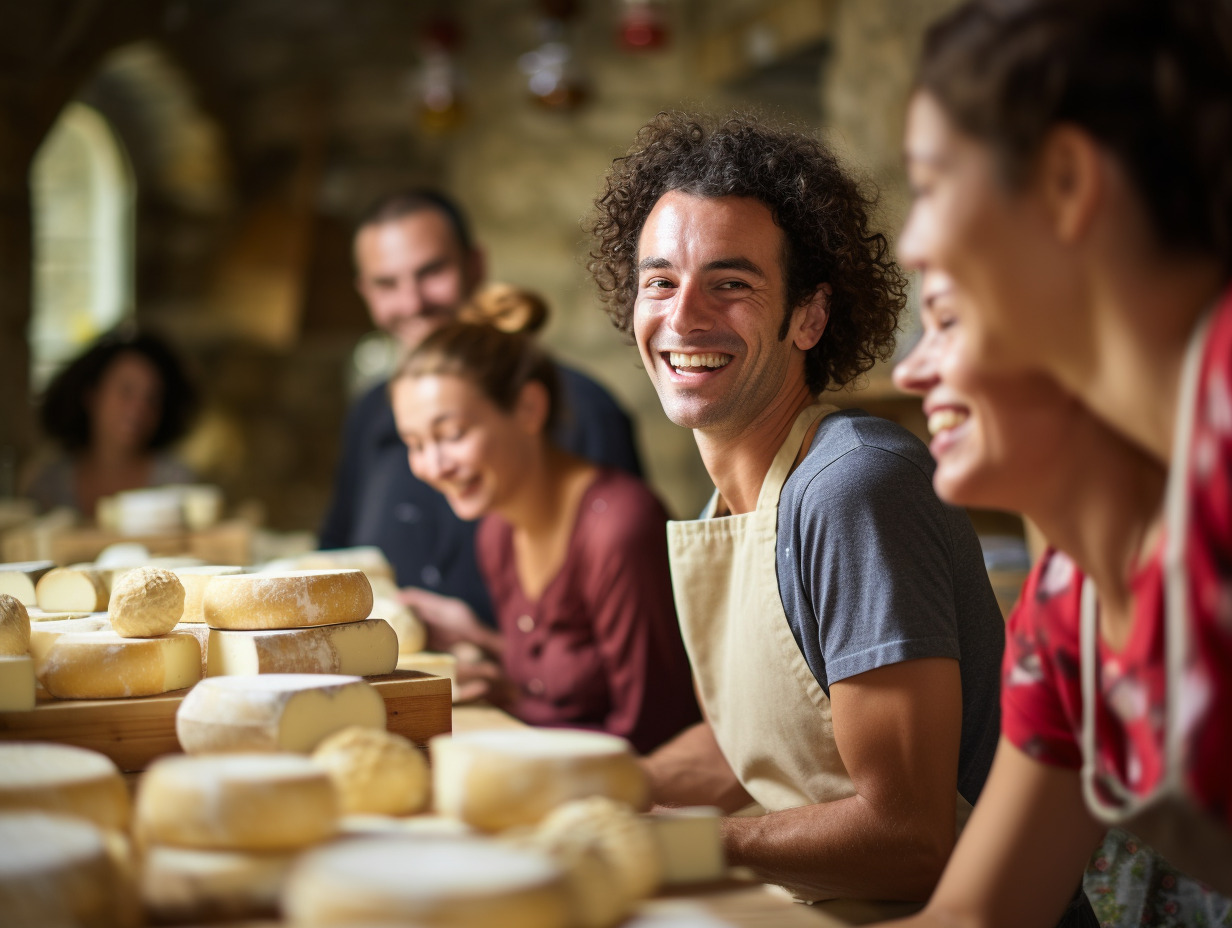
(844,638)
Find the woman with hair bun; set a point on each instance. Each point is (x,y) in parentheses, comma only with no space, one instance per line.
(574,555)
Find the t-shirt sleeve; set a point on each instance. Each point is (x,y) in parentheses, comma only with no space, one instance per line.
(875,565)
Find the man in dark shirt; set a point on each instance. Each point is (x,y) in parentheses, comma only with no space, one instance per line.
(415,265)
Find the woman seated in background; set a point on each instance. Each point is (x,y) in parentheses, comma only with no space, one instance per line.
(574,555)
(114,411)
(1017,441)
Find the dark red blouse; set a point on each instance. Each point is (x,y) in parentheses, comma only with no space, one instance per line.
(600,648)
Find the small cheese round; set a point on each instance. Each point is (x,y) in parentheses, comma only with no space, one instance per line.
(446,883)
(375,771)
(498,779)
(290,599)
(146,602)
(65,780)
(624,840)
(596,899)
(241,802)
(183,885)
(58,871)
(14,626)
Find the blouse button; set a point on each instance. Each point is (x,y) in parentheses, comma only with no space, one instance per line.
(535,687)
(525,624)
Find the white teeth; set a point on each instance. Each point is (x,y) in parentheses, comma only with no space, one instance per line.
(944,419)
(679,360)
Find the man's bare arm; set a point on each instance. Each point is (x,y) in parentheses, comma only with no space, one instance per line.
(690,770)
(897,729)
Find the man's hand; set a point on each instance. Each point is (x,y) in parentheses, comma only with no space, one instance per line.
(450,621)
(690,770)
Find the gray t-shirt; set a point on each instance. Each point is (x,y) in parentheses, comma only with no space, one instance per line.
(874,569)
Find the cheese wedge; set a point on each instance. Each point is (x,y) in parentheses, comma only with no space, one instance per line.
(195,580)
(457,883)
(68,589)
(294,599)
(63,780)
(202,634)
(16,683)
(361,649)
(494,780)
(19,579)
(239,802)
(690,844)
(274,712)
(185,885)
(103,665)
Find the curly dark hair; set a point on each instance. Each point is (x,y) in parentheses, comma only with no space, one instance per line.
(822,210)
(1151,81)
(64,412)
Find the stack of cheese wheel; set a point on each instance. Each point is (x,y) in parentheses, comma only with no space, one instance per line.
(64,852)
(221,832)
(299,621)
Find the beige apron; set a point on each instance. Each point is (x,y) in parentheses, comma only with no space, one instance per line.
(770,716)
(1169,819)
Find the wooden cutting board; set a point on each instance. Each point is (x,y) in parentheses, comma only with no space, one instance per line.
(132,732)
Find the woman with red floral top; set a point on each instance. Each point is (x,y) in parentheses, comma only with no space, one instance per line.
(1071,172)
(574,555)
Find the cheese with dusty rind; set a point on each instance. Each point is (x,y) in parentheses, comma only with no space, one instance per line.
(64,780)
(103,665)
(375,771)
(291,599)
(187,885)
(19,579)
(624,840)
(146,602)
(274,712)
(16,682)
(195,580)
(68,589)
(362,649)
(57,871)
(438,883)
(497,779)
(239,802)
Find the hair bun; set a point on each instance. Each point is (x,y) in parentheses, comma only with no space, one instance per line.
(506,307)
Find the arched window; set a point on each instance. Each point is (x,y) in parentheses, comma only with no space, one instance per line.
(81,188)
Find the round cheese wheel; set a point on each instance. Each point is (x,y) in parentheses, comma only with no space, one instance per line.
(274,711)
(242,802)
(65,780)
(290,599)
(146,602)
(446,883)
(184,885)
(375,771)
(14,626)
(104,665)
(57,871)
(497,779)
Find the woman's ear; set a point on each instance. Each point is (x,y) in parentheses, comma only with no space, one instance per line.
(532,408)
(1070,177)
(810,318)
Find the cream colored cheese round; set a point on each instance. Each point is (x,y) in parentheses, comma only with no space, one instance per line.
(64,780)
(290,599)
(375,771)
(146,602)
(104,665)
(14,626)
(444,883)
(624,840)
(242,802)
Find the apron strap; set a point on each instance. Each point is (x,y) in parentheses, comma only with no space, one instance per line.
(780,467)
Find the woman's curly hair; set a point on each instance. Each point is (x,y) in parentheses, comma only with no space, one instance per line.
(822,211)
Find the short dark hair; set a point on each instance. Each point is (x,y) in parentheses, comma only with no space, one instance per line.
(822,210)
(1151,81)
(402,203)
(64,413)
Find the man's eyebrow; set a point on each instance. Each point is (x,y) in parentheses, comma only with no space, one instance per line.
(734,264)
(653,264)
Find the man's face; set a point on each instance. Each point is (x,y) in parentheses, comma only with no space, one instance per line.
(413,273)
(710,304)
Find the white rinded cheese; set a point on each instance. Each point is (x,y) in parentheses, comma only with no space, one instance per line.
(16,682)
(57,871)
(146,602)
(293,599)
(14,626)
(274,712)
(363,649)
(375,771)
(69,589)
(102,665)
(690,844)
(497,779)
(195,580)
(19,578)
(238,802)
(185,885)
(64,780)
(444,883)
